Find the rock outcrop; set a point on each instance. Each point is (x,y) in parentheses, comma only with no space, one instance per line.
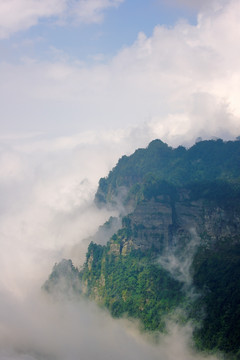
(159,224)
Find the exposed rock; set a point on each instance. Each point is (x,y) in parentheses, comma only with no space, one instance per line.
(161,223)
(114,248)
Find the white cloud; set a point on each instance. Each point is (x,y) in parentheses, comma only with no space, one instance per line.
(181,81)
(17,15)
(92,11)
(47,187)
(46,208)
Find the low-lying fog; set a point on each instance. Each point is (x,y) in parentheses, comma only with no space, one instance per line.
(47,189)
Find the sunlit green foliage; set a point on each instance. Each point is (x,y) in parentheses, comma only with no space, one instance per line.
(134,285)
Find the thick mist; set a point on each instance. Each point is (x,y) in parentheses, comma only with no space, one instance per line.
(38,328)
(47,188)
(176,83)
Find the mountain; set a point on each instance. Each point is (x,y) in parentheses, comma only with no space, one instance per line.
(206,161)
(177,253)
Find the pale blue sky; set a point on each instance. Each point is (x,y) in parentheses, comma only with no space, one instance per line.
(119,28)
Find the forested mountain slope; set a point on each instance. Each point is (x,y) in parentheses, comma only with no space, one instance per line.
(206,161)
(179,247)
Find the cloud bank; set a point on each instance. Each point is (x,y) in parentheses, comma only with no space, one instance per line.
(181,82)
(39,329)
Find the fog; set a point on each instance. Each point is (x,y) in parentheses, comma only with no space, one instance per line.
(64,124)
(178,259)
(37,328)
(47,189)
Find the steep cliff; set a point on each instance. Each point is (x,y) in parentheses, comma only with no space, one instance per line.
(161,223)
(179,246)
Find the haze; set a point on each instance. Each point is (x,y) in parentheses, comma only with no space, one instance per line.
(82,83)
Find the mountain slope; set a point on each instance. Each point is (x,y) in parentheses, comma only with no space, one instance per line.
(178,246)
(212,160)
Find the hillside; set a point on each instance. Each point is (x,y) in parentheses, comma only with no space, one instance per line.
(179,246)
(206,161)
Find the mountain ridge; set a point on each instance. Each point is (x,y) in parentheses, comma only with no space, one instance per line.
(184,219)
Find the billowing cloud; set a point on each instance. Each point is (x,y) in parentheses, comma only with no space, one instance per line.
(16,15)
(182,81)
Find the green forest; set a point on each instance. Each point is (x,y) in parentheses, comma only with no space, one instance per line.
(169,191)
(133,285)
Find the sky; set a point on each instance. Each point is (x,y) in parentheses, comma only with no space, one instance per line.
(83,82)
(70,66)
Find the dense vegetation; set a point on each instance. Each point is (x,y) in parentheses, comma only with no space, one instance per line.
(206,161)
(132,282)
(217,276)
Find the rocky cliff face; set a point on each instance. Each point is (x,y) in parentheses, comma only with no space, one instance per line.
(161,223)
(167,250)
